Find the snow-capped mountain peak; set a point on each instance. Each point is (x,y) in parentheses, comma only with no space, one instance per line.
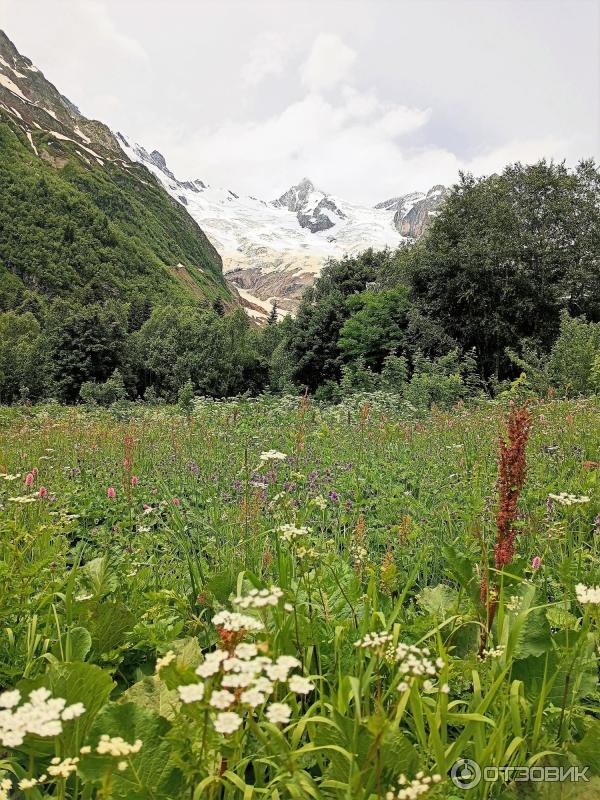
(272,251)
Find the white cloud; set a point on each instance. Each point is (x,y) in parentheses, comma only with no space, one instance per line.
(96,14)
(268,56)
(328,63)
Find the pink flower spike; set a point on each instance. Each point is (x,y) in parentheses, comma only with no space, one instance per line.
(176,501)
(29,479)
(110,492)
(43,492)
(134,480)
(146,506)
(34,472)
(536,563)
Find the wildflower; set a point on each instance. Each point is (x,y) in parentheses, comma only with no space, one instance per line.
(290,532)
(512,470)
(29,479)
(34,472)
(588,595)
(222,699)
(192,693)
(260,598)
(71,712)
(27,783)
(165,660)
(412,789)
(403,686)
(117,746)
(10,699)
(211,664)
(300,685)
(41,715)
(85,750)
(491,653)
(272,455)
(227,722)
(111,492)
(245,650)
(514,603)
(536,562)
(252,697)
(64,768)
(415,662)
(134,480)
(445,689)
(565,499)
(374,641)
(176,501)
(320,502)
(122,766)
(43,492)
(231,621)
(279,713)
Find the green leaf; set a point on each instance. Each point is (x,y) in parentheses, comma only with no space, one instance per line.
(588,749)
(153,694)
(440,601)
(76,682)
(110,625)
(154,775)
(76,644)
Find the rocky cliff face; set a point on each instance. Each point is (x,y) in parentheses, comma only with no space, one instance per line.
(314,209)
(413,213)
(29,97)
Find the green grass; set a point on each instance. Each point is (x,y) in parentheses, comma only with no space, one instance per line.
(397,511)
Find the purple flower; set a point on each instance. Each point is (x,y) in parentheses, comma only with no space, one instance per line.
(334,497)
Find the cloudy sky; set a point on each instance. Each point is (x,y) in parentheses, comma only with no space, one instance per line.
(369,98)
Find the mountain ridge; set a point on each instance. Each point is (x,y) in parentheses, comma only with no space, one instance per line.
(123,232)
(273,251)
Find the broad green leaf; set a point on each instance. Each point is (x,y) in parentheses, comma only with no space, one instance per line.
(154,775)
(153,694)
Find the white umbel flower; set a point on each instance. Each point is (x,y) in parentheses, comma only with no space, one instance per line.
(300,685)
(227,722)
(588,595)
(191,693)
(222,699)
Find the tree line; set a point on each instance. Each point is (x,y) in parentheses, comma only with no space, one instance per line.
(506,281)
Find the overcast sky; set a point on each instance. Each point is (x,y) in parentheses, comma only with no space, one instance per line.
(369,98)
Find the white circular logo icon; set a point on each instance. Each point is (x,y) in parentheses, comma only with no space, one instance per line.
(465,773)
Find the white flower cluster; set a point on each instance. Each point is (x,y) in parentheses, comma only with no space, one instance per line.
(5,787)
(246,680)
(374,641)
(565,499)
(259,598)
(272,455)
(290,532)
(514,603)
(64,768)
(320,502)
(42,715)
(232,621)
(410,790)
(415,663)
(117,746)
(492,652)
(588,595)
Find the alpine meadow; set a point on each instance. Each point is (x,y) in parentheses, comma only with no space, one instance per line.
(300,496)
